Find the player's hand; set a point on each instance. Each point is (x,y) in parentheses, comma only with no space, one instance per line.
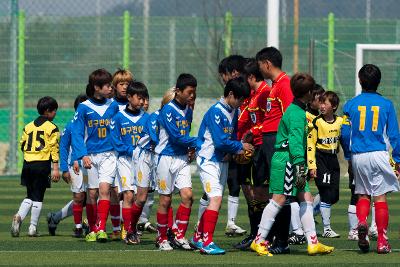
(191,154)
(248,147)
(248,137)
(66,177)
(55,177)
(300,176)
(76,167)
(86,162)
(313,173)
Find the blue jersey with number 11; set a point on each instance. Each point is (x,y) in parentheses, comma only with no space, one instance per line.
(373,123)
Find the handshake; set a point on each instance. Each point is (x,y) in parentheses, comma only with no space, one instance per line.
(245,156)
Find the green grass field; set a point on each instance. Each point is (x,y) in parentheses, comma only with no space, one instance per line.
(63,250)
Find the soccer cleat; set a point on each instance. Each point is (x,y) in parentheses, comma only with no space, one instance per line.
(373,233)
(78,233)
(16,225)
(123,231)
(51,223)
(151,228)
(171,237)
(164,246)
(353,235)
(85,227)
(234,230)
(182,243)
(279,247)
(196,245)
(261,248)
(91,237)
(212,249)
(32,231)
(363,242)
(116,235)
(132,239)
(383,247)
(329,233)
(319,248)
(101,236)
(295,239)
(245,243)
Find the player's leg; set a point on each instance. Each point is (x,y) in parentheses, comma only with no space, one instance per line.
(115,212)
(144,220)
(91,200)
(297,236)
(372,229)
(351,210)
(203,203)
(54,218)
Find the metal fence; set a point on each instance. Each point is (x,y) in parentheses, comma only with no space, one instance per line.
(48,47)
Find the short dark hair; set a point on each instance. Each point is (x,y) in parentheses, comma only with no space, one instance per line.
(79,99)
(238,86)
(332,97)
(235,62)
(222,66)
(184,80)
(271,54)
(46,103)
(370,77)
(137,88)
(251,68)
(301,84)
(99,78)
(318,91)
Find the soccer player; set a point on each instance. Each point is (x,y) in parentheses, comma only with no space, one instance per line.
(372,120)
(322,160)
(217,138)
(78,183)
(297,236)
(288,170)
(91,143)
(173,170)
(120,81)
(39,143)
(280,97)
(252,175)
(126,131)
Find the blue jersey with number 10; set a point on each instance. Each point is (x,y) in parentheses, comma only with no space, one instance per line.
(373,123)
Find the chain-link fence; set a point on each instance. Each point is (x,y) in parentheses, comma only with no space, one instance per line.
(64,40)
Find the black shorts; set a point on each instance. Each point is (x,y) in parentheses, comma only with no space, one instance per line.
(36,173)
(263,161)
(328,176)
(253,173)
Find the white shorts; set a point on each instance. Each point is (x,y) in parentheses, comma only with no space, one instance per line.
(213,176)
(124,174)
(373,174)
(143,162)
(79,183)
(104,166)
(172,172)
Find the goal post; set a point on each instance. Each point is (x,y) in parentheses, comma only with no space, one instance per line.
(360,48)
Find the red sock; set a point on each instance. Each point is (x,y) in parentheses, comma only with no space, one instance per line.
(199,232)
(381,219)
(102,213)
(162,224)
(115,216)
(182,220)
(362,209)
(210,221)
(136,212)
(77,210)
(127,216)
(91,213)
(170,217)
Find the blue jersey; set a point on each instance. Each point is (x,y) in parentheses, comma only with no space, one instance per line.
(174,128)
(65,148)
(120,103)
(217,133)
(127,129)
(90,127)
(151,132)
(373,124)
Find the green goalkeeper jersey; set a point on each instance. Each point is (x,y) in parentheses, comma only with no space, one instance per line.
(292,132)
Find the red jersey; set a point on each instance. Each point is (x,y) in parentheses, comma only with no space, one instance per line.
(244,122)
(278,101)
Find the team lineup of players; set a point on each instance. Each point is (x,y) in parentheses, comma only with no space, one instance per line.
(268,140)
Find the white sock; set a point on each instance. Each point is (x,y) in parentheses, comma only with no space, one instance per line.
(145,216)
(267,220)
(326,215)
(316,204)
(120,210)
(233,206)
(63,213)
(202,207)
(295,218)
(307,220)
(373,223)
(24,208)
(35,212)
(353,221)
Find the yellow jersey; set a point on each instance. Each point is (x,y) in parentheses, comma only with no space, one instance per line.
(40,141)
(324,137)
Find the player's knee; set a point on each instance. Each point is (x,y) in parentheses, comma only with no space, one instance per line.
(79,198)
(128,196)
(187,197)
